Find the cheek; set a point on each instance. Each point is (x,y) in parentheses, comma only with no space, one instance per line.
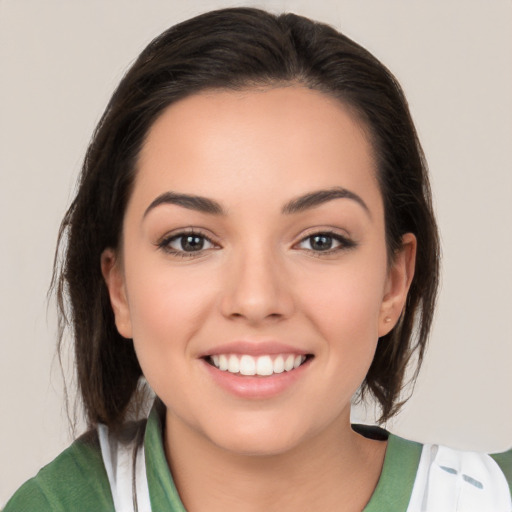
(345,302)
(166,310)
(344,307)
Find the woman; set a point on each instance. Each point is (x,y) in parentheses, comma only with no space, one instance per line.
(253,234)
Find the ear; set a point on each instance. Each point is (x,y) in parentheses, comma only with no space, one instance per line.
(397,286)
(114,279)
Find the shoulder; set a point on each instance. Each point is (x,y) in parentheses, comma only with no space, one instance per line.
(76,480)
(447,478)
(504,461)
(431,478)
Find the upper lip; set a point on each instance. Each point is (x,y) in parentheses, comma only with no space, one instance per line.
(254,348)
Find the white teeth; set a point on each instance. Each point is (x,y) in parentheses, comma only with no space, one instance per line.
(234,364)
(279,364)
(247,365)
(223,362)
(262,365)
(288,364)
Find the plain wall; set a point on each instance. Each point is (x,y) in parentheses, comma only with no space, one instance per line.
(59,63)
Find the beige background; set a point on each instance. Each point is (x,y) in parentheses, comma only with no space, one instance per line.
(59,63)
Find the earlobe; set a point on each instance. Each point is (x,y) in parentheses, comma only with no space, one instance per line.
(399,280)
(114,279)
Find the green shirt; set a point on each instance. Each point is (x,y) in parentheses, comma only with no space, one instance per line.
(77,481)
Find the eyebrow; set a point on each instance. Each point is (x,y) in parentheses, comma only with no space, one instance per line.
(319,197)
(296,205)
(198,203)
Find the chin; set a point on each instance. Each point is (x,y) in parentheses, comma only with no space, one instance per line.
(258,438)
(259,445)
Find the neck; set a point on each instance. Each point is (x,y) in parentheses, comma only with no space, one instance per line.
(336,466)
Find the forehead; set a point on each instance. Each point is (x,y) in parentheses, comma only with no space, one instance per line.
(291,139)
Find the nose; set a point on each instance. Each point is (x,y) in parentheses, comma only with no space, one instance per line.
(257,289)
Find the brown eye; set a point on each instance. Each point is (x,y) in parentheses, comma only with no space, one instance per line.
(321,242)
(191,243)
(325,242)
(186,243)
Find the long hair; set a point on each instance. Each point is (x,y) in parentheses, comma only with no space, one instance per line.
(234,49)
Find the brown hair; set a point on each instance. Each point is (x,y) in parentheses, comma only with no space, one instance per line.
(236,49)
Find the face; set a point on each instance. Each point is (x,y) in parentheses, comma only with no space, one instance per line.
(253,275)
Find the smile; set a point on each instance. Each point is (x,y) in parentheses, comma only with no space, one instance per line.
(264,365)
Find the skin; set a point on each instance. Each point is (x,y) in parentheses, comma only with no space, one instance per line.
(259,278)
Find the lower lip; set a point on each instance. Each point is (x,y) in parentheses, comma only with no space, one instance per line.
(256,387)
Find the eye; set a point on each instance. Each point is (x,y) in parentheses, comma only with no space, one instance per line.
(185,244)
(325,242)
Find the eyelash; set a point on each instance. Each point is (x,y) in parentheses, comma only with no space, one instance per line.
(165,243)
(344,243)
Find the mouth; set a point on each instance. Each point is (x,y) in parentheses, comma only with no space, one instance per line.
(263,365)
